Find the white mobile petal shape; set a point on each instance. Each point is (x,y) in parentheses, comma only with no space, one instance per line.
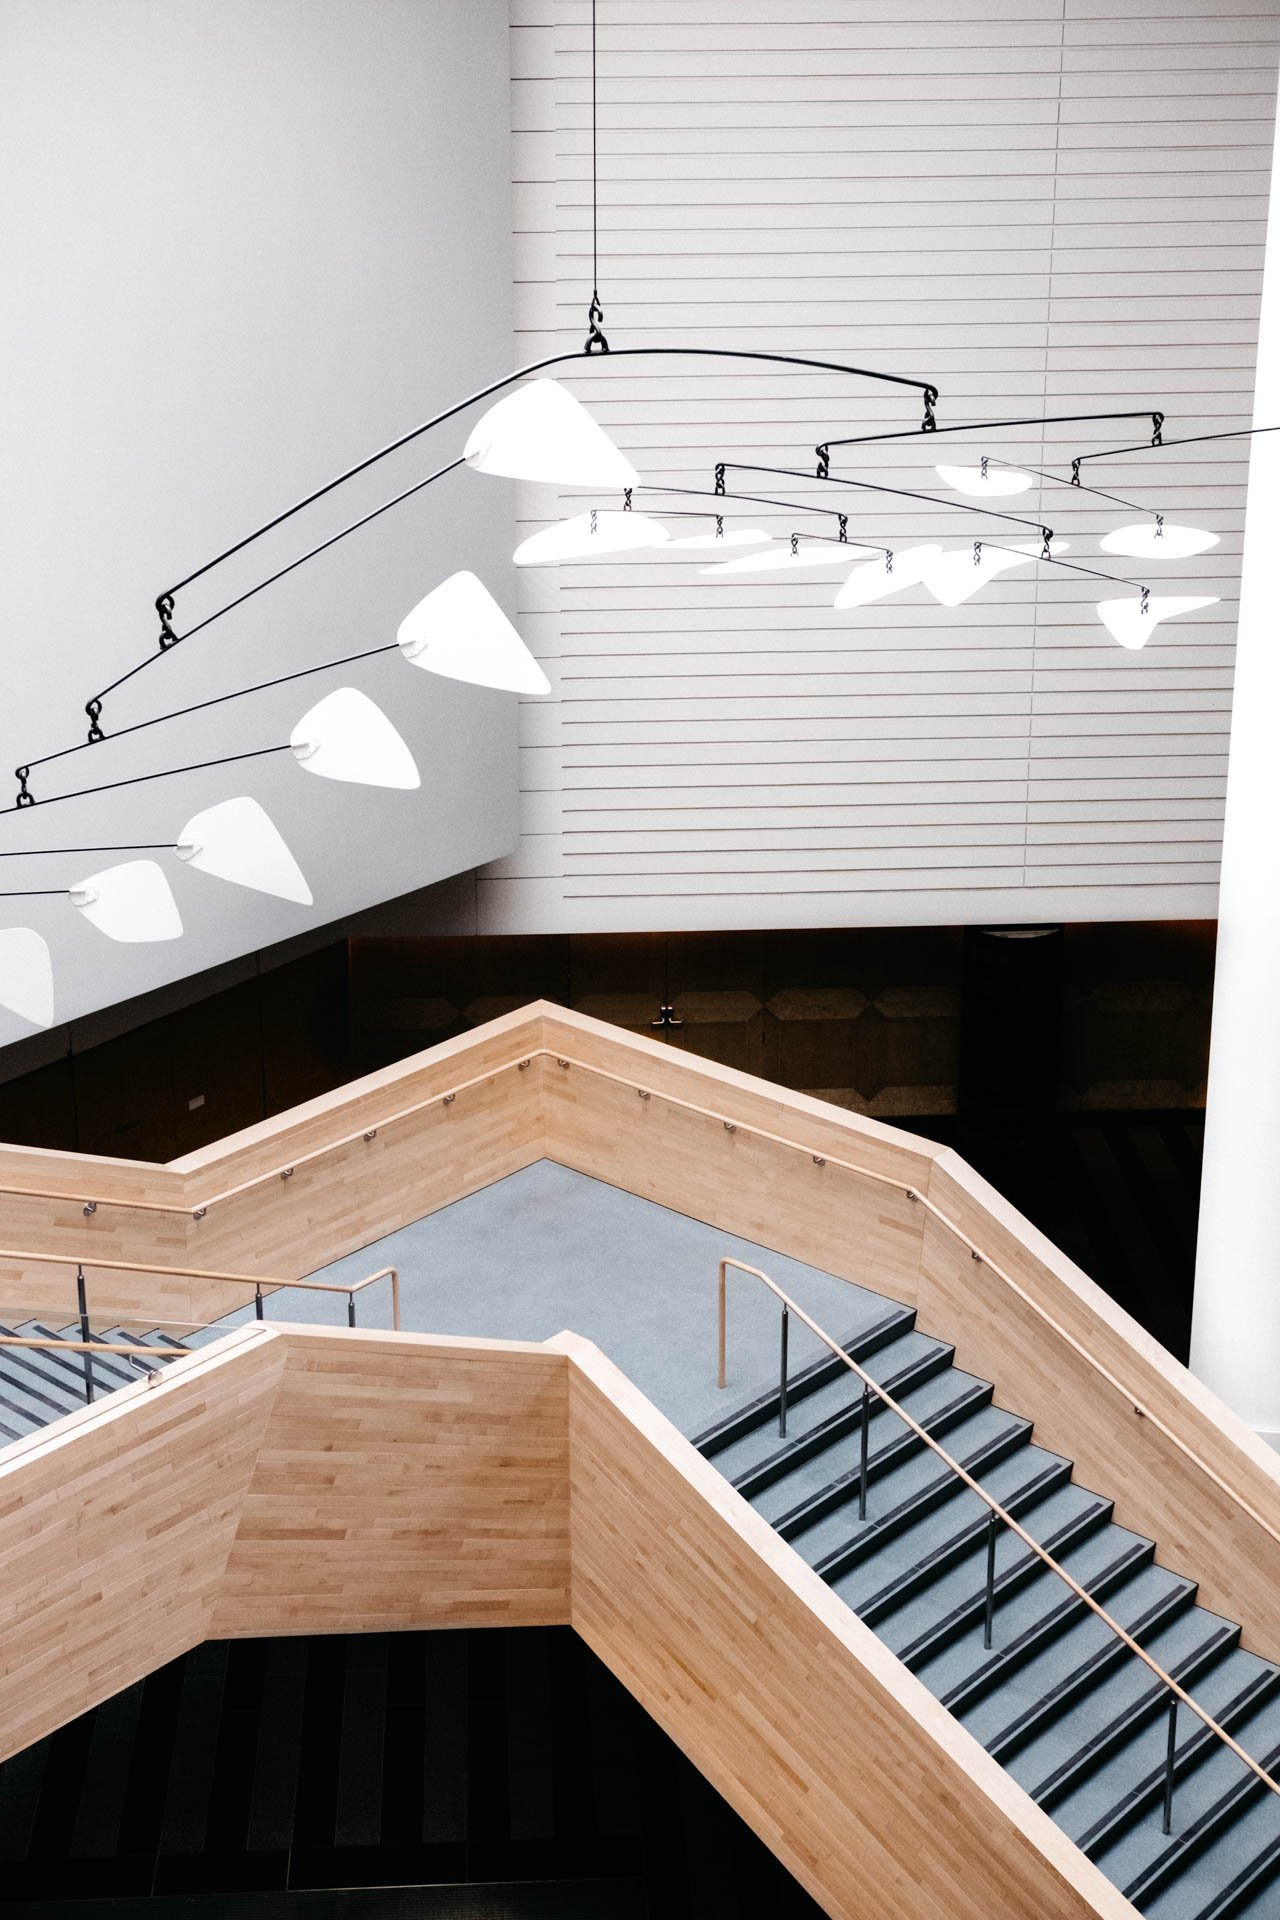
(1126,622)
(954,577)
(587,535)
(26,975)
(460,631)
(874,580)
(996,482)
(238,841)
(785,560)
(132,902)
(711,542)
(1145,541)
(346,737)
(540,432)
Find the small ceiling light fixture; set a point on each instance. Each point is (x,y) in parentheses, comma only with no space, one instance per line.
(238,841)
(460,632)
(956,576)
(1132,622)
(132,903)
(26,975)
(588,535)
(346,737)
(877,579)
(540,432)
(1157,540)
(986,481)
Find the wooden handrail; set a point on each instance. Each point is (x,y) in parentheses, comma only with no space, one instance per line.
(989,1500)
(138,1353)
(446,1096)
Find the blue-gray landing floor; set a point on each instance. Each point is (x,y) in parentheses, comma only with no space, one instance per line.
(548,1249)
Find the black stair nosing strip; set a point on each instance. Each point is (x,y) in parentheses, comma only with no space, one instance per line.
(106,1366)
(1029,1724)
(841,1491)
(1211,1825)
(1198,1747)
(839,1426)
(744,1420)
(925,1501)
(124,1338)
(24,1380)
(1250,1880)
(19,1413)
(906,1585)
(1068,1774)
(1026,1569)
(1035,1639)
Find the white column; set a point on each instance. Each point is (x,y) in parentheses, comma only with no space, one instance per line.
(1235,1333)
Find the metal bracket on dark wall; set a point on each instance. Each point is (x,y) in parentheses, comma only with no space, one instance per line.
(667,1018)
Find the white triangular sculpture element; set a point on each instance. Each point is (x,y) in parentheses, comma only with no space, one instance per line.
(731,537)
(132,902)
(238,841)
(26,975)
(587,535)
(785,559)
(1147,540)
(460,631)
(876,580)
(1128,622)
(346,737)
(540,432)
(996,483)
(955,577)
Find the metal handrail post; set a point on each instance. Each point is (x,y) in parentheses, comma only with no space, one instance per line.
(863,1448)
(351,1309)
(1170,1750)
(782,1377)
(257,1302)
(82,1300)
(988,1619)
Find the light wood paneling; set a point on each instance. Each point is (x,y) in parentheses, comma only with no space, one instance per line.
(863,1785)
(404,1481)
(115,1526)
(1182,1468)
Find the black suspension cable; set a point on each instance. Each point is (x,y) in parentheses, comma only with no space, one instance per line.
(923,387)
(823,449)
(876,486)
(219,699)
(1058,480)
(136,779)
(132,846)
(1187,440)
(32,893)
(758,500)
(595,340)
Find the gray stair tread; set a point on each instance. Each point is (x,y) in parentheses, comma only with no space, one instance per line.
(1069,1733)
(1196,1792)
(1021,1689)
(1014,1612)
(1223,1864)
(919,1542)
(836,1397)
(923,1403)
(920,1470)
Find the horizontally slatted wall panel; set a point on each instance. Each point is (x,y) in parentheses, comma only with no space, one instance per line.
(1044,207)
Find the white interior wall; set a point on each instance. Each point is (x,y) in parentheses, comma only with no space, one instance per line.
(245,243)
(1046,206)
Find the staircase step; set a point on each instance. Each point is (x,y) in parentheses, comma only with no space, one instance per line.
(761,1412)
(1212,1791)
(826,1483)
(939,1633)
(1249,1894)
(911,1557)
(1068,1751)
(917,1484)
(832,1419)
(1242,1830)
(1014,1680)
